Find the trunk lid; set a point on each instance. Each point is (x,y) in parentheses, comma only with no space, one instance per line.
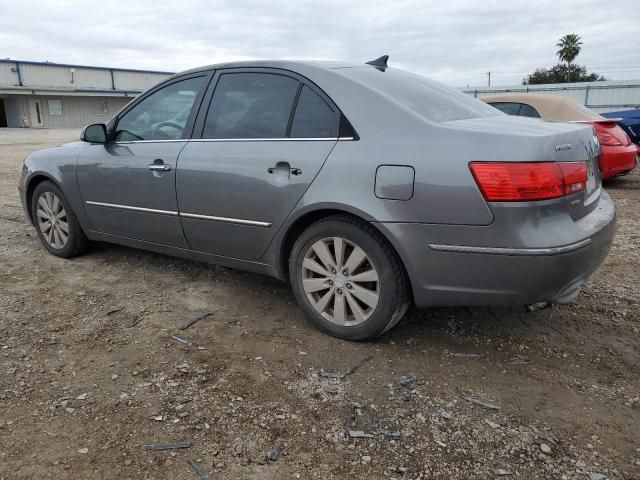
(516,139)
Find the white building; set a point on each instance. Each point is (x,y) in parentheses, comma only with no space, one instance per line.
(53,95)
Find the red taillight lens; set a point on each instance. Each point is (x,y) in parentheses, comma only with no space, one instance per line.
(521,182)
(607,139)
(575,176)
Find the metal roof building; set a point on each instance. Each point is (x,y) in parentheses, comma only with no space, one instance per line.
(54,95)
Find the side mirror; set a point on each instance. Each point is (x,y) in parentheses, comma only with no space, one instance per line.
(95,133)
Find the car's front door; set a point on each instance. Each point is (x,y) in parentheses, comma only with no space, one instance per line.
(264,136)
(128,185)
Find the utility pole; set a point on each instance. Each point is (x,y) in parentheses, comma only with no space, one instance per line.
(489,77)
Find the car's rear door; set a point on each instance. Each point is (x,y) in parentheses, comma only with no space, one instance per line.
(128,185)
(264,135)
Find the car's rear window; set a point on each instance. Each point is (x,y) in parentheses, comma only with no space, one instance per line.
(434,101)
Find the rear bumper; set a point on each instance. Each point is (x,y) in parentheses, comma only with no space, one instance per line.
(448,273)
(617,160)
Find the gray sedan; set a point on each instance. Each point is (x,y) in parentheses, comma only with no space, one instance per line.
(365,187)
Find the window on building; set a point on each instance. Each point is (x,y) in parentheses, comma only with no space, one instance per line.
(314,118)
(55,107)
(101,107)
(250,105)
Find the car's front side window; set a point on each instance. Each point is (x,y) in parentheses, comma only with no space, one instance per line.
(250,105)
(162,115)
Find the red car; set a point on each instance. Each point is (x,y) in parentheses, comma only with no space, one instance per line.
(619,153)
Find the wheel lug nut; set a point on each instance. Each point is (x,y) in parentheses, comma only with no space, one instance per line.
(339,292)
(349,286)
(333,270)
(330,282)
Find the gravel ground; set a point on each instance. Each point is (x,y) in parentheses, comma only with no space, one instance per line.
(89,373)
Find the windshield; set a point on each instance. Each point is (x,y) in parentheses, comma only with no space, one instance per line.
(430,99)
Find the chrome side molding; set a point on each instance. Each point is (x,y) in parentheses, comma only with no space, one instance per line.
(239,221)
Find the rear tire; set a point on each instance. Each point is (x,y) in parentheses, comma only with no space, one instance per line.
(57,226)
(347,279)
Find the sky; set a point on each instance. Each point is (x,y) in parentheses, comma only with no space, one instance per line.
(452,41)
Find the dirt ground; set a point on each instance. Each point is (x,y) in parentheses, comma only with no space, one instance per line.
(89,373)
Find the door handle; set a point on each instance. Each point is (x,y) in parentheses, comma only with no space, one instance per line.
(284,166)
(159,167)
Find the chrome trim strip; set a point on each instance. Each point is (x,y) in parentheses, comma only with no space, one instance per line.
(128,207)
(239,221)
(510,251)
(203,140)
(129,142)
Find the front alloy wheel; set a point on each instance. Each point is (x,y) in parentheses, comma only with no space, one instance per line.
(58,228)
(52,220)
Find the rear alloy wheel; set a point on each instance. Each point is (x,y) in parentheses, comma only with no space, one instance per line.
(348,279)
(58,228)
(340,281)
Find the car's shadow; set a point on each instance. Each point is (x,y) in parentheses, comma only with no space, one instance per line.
(439,325)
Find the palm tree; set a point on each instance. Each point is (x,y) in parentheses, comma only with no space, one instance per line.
(569,47)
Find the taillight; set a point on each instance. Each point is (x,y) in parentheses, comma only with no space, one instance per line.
(520,182)
(607,139)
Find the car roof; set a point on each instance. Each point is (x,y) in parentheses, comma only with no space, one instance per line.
(550,107)
(292,65)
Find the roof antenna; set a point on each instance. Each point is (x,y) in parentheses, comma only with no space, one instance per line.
(379,63)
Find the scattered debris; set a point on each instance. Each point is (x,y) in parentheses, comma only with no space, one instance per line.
(338,375)
(537,306)
(274,453)
(545,448)
(115,309)
(167,446)
(482,404)
(499,470)
(135,321)
(197,318)
(82,396)
(181,340)
(83,451)
(446,415)
(405,380)
(543,436)
(597,476)
(493,425)
(467,355)
(202,475)
(359,434)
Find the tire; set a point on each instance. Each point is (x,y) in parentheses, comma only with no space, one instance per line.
(311,279)
(76,242)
